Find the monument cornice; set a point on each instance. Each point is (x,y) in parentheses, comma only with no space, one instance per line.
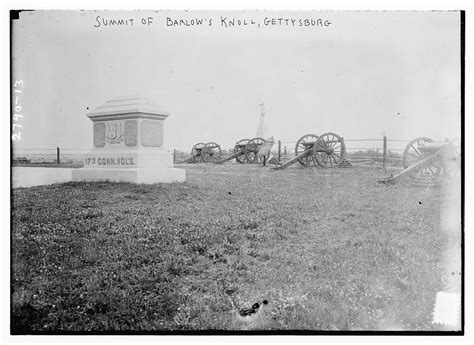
(128,106)
(114,115)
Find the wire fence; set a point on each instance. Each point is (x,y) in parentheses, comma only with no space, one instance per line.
(378,152)
(49,157)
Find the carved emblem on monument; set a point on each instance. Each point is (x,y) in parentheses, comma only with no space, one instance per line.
(114,133)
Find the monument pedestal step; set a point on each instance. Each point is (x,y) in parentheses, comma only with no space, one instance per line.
(148,176)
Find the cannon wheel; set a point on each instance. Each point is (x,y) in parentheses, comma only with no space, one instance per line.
(251,150)
(195,150)
(309,160)
(412,155)
(451,162)
(211,153)
(329,150)
(238,147)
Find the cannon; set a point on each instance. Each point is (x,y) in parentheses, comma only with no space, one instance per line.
(423,147)
(205,153)
(239,151)
(246,151)
(423,156)
(327,151)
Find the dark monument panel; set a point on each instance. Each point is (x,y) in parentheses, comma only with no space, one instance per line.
(131,133)
(152,133)
(99,134)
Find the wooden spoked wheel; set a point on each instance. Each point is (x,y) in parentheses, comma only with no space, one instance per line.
(197,152)
(240,147)
(306,143)
(211,153)
(414,153)
(451,161)
(452,164)
(329,150)
(251,150)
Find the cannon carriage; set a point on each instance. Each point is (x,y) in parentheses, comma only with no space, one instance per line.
(204,153)
(446,164)
(423,156)
(239,152)
(326,151)
(246,151)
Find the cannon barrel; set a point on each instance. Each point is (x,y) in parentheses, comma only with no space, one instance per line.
(430,147)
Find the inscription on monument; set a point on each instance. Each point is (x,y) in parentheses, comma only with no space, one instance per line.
(151,133)
(99,134)
(110,161)
(131,133)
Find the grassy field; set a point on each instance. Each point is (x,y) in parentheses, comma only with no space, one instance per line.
(328,250)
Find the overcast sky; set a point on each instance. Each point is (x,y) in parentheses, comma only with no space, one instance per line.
(364,74)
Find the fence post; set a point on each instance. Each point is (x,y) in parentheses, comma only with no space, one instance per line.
(384,154)
(174,156)
(58,160)
(279,151)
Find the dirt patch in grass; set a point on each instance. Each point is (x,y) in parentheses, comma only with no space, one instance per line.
(328,250)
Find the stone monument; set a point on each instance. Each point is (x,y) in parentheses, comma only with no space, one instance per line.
(261,129)
(128,144)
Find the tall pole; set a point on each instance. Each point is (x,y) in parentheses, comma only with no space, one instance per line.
(279,151)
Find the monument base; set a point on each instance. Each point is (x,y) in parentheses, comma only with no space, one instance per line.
(148,176)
